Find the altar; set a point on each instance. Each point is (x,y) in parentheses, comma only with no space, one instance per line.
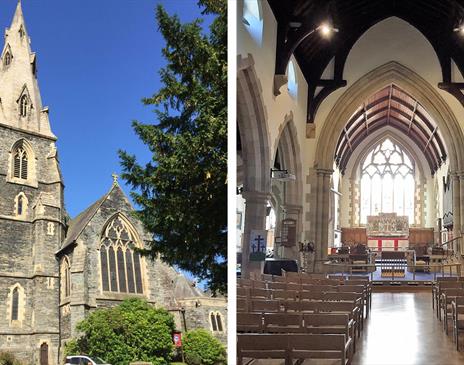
(387,232)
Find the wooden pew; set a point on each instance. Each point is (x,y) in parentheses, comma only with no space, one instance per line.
(458,318)
(263,346)
(249,322)
(446,298)
(283,323)
(310,346)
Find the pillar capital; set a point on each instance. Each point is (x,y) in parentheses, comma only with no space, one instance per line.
(324,172)
(255,196)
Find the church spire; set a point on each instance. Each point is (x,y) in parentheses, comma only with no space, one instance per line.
(20,101)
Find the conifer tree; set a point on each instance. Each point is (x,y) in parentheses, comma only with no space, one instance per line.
(182,191)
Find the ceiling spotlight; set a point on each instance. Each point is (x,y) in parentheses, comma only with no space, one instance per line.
(327,29)
(459,29)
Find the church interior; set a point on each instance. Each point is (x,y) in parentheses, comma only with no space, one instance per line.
(350,182)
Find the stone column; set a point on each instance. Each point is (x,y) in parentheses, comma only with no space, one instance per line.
(322,224)
(456,205)
(255,219)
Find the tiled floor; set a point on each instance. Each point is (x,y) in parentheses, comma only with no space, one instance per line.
(402,330)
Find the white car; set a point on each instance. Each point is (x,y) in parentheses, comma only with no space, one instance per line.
(84,360)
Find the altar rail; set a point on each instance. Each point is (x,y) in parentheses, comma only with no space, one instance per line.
(453,269)
(453,247)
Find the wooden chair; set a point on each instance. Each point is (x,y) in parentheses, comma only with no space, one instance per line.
(446,298)
(264,306)
(258,293)
(242,304)
(360,290)
(243,292)
(283,323)
(300,307)
(249,322)
(285,294)
(443,286)
(277,286)
(317,347)
(329,323)
(311,295)
(435,286)
(349,308)
(368,287)
(262,346)
(458,318)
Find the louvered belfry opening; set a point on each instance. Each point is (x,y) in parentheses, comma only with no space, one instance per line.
(20,168)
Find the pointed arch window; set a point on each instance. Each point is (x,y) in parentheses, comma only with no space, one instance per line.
(21,205)
(7,59)
(65,278)
(292,82)
(387,182)
(24,105)
(121,265)
(15,304)
(20,164)
(215,319)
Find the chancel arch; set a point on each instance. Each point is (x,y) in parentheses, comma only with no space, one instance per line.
(394,73)
(122,269)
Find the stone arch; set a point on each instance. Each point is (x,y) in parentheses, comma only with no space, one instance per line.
(122,268)
(412,83)
(287,143)
(252,128)
(255,167)
(31,163)
(21,205)
(289,152)
(425,94)
(16,288)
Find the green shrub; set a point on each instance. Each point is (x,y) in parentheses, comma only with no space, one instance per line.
(7,358)
(132,331)
(202,348)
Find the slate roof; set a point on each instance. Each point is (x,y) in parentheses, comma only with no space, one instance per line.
(77,225)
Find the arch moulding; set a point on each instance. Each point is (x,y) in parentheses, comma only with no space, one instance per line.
(409,81)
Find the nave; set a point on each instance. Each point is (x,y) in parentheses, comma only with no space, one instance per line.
(402,329)
(301,317)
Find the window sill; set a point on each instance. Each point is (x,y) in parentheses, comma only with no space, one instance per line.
(119,296)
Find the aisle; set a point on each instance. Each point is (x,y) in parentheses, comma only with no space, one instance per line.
(402,330)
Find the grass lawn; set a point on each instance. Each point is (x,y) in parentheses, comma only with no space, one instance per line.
(178,363)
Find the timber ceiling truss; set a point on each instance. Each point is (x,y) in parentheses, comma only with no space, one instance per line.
(392,107)
(437,20)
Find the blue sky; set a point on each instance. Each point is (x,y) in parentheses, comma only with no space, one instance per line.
(96,60)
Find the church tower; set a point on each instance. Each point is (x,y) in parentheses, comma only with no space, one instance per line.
(31,207)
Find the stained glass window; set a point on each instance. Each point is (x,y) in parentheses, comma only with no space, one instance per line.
(121,266)
(387,182)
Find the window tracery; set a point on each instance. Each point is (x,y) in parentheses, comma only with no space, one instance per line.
(387,182)
(121,268)
(20,164)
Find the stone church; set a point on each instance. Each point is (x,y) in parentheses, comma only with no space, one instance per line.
(55,270)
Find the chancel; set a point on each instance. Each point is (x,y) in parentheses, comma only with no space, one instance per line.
(356,108)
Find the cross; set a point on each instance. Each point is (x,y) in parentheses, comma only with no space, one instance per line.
(115,178)
(258,240)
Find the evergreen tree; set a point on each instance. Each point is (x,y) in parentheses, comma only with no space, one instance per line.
(182,191)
